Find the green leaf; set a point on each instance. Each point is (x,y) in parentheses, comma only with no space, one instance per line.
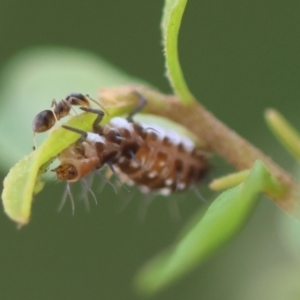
(31,79)
(223,219)
(172,15)
(24,179)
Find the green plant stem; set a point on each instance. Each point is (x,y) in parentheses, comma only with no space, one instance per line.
(213,135)
(284,131)
(171,22)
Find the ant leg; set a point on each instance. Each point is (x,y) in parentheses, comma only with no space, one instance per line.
(86,136)
(81,132)
(138,108)
(55,105)
(100,115)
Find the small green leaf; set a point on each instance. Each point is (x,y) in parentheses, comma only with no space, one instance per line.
(172,15)
(223,219)
(284,131)
(24,179)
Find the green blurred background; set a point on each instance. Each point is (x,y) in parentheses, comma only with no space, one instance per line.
(238,57)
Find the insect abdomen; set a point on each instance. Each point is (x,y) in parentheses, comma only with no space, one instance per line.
(165,162)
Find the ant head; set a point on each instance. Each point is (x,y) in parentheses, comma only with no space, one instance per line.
(78,99)
(43,121)
(75,95)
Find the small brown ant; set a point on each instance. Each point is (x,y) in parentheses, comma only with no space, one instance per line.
(46,119)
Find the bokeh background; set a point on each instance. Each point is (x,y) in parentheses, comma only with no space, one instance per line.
(239,58)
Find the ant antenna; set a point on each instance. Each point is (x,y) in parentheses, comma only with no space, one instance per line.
(99,104)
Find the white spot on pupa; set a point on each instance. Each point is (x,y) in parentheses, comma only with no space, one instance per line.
(130,182)
(165,191)
(200,152)
(95,138)
(169,181)
(133,164)
(187,144)
(152,174)
(174,137)
(144,189)
(165,172)
(181,185)
(121,123)
(142,159)
(162,163)
(122,159)
(159,131)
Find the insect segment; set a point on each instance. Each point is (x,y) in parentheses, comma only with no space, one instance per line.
(146,155)
(46,119)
